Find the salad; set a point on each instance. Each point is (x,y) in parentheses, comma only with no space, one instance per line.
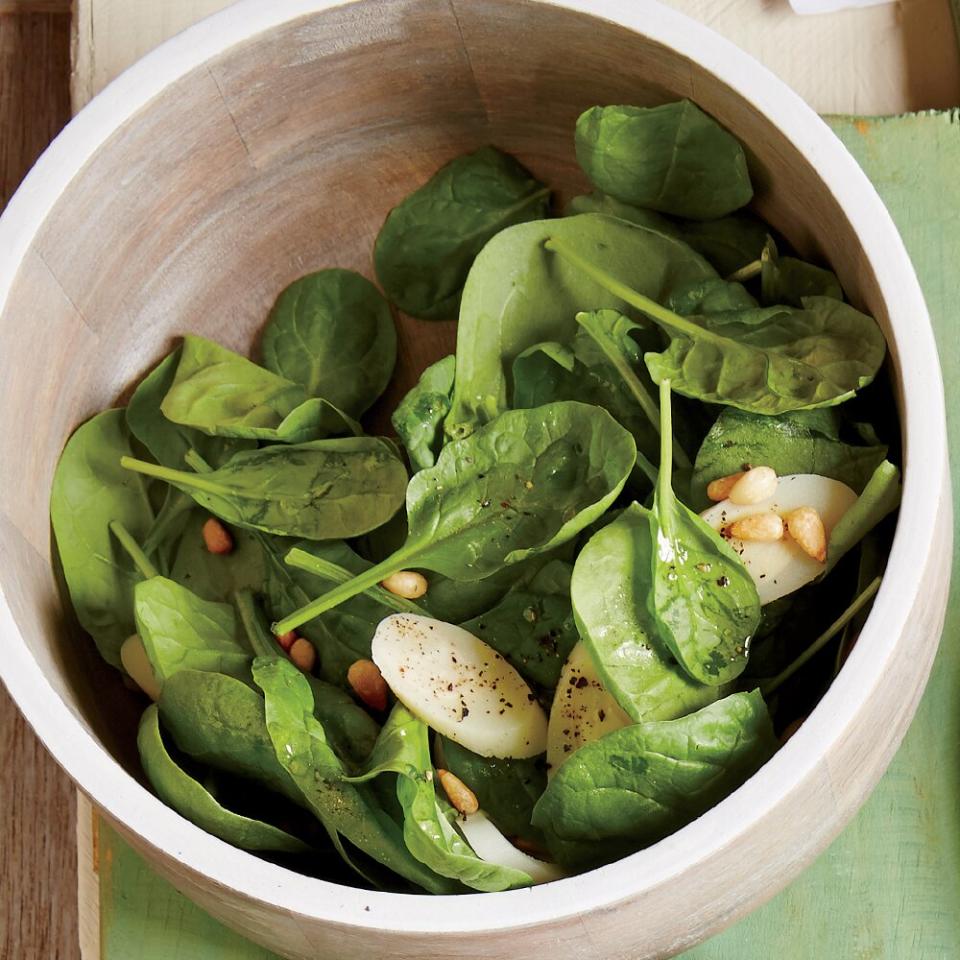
(620,544)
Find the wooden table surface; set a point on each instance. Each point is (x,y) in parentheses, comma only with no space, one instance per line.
(38,878)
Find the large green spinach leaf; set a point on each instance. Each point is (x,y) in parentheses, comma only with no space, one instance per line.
(703,601)
(90,490)
(672,158)
(520,486)
(803,441)
(176,788)
(332,333)
(764,360)
(532,626)
(324,489)
(220,393)
(638,784)
(419,416)
(404,749)
(302,749)
(427,244)
(518,294)
(612,582)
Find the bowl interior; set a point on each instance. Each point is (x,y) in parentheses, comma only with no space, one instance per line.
(280,156)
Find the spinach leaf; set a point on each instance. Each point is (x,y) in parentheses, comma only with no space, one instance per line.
(729,243)
(332,333)
(598,202)
(323,489)
(302,749)
(532,626)
(789,280)
(419,416)
(89,491)
(638,784)
(404,748)
(880,497)
(766,360)
(703,601)
(803,441)
(612,581)
(220,393)
(709,296)
(518,295)
(176,788)
(219,721)
(672,158)
(506,789)
(181,631)
(520,486)
(427,244)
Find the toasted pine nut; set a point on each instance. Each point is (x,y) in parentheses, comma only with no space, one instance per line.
(759,526)
(368,684)
(216,537)
(464,800)
(287,640)
(720,488)
(303,654)
(754,486)
(406,583)
(133,656)
(806,527)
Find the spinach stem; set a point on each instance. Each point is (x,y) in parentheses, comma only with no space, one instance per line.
(649,470)
(261,641)
(333,571)
(166,521)
(193,460)
(858,604)
(140,560)
(172,476)
(341,592)
(746,272)
(665,477)
(639,301)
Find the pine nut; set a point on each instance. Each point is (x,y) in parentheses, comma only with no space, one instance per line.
(287,640)
(303,654)
(806,527)
(754,486)
(764,527)
(720,488)
(464,800)
(216,537)
(133,656)
(406,583)
(368,684)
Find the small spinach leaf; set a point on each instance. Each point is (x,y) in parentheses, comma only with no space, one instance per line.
(520,486)
(765,360)
(302,749)
(638,784)
(507,790)
(518,295)
(90,490)
(404,749)
(426,246)
(332,333)
(789,280)
(703,601)
(532,626)
(419,416)
(220,393)
(324,489)
(672,158)
(176,788)
(612,581)
(792,442)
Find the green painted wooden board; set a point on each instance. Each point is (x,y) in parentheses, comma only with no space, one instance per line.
(889,887)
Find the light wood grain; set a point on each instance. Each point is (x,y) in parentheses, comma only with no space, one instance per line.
(884,59)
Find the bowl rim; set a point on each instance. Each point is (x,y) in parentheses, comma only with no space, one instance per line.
(100,776)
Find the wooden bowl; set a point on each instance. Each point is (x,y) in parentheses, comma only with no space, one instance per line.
(271,140)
